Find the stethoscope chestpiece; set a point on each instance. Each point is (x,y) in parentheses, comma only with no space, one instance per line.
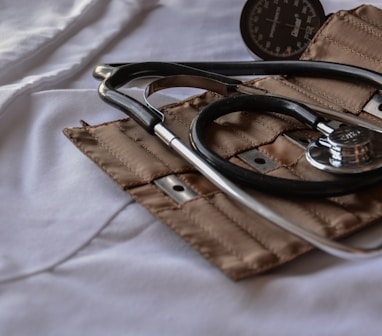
(347,150)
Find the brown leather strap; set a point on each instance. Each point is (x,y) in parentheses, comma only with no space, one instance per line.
(230,236)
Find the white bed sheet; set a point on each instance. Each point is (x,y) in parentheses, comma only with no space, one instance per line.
(77,255)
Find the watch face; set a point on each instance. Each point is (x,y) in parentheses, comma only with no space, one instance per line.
(280,29)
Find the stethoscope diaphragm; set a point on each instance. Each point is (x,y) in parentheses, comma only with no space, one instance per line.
(349,149)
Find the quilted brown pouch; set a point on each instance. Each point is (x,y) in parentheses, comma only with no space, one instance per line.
(239,242)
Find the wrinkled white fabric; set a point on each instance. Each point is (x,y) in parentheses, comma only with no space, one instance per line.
(54,41)
(44,217)
(77,255)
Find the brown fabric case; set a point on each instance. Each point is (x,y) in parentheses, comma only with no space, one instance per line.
(237,241)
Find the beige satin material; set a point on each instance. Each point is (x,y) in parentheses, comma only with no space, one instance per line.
(230,236)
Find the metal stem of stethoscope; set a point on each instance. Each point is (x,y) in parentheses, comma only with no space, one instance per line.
(152,123)
(332,247)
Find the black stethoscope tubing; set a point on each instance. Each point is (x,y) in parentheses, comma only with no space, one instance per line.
(342,185)
(148,118)
(124,73)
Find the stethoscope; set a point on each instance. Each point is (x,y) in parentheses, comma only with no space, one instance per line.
(353,151)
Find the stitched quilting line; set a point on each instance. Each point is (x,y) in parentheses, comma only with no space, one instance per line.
(176,118)
(319,218)
(222,242)
(125,164)
(318,215)
(334,201)
(292,169)
(303,92)
(87,152)
(261,120)
(182,122)
(234,130)
(339,202)
(281,164)
(256,238)
(262,266)
(291,122)
(198,246)
(319,91)
(357,222)
(215,236)
(327,222)
(324,219)
(149,151)
(367,20)
(168,109)
(249,142)
(239,134)
(155,156)
(110,152)
(248,230)
(83,148)
(356,52)
(363,25)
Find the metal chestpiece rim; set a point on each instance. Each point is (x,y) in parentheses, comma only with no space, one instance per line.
(347,150)
(349,146)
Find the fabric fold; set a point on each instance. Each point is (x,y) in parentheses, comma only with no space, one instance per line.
(56,53)
(54,41)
